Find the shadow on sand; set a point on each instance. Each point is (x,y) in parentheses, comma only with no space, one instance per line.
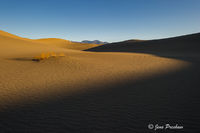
(128,107)
(22,59)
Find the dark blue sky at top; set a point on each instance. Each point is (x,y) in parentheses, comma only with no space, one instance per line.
(106,20)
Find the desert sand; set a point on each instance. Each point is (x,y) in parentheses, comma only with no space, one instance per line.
(119,87)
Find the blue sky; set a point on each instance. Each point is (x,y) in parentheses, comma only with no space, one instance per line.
(106,20)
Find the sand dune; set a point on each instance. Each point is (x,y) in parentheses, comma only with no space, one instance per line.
(13,45)
(183,44)
(66,44)
(116,91)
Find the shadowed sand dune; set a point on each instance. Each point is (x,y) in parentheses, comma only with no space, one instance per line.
(122,90)
(186,44)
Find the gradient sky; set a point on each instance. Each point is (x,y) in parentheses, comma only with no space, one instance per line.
(106,20)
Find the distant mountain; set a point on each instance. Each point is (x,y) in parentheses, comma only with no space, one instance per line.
(94,42)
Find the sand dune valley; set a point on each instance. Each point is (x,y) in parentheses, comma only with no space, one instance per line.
(88,88)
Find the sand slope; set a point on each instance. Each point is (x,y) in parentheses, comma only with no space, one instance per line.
(183,44)
(94,91)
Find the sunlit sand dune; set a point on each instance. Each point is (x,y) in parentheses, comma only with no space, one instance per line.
(13,45)
(86,91)
(65,43)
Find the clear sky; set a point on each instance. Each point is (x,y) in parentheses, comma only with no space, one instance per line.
(106,20)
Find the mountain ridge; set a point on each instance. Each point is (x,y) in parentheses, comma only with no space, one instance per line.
(94,42)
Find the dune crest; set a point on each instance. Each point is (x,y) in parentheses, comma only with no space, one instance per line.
(12,44)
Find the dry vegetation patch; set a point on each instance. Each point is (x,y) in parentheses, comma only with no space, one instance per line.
(45,56)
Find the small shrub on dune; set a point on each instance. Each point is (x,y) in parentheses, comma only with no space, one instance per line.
(44,56)
(41,57)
